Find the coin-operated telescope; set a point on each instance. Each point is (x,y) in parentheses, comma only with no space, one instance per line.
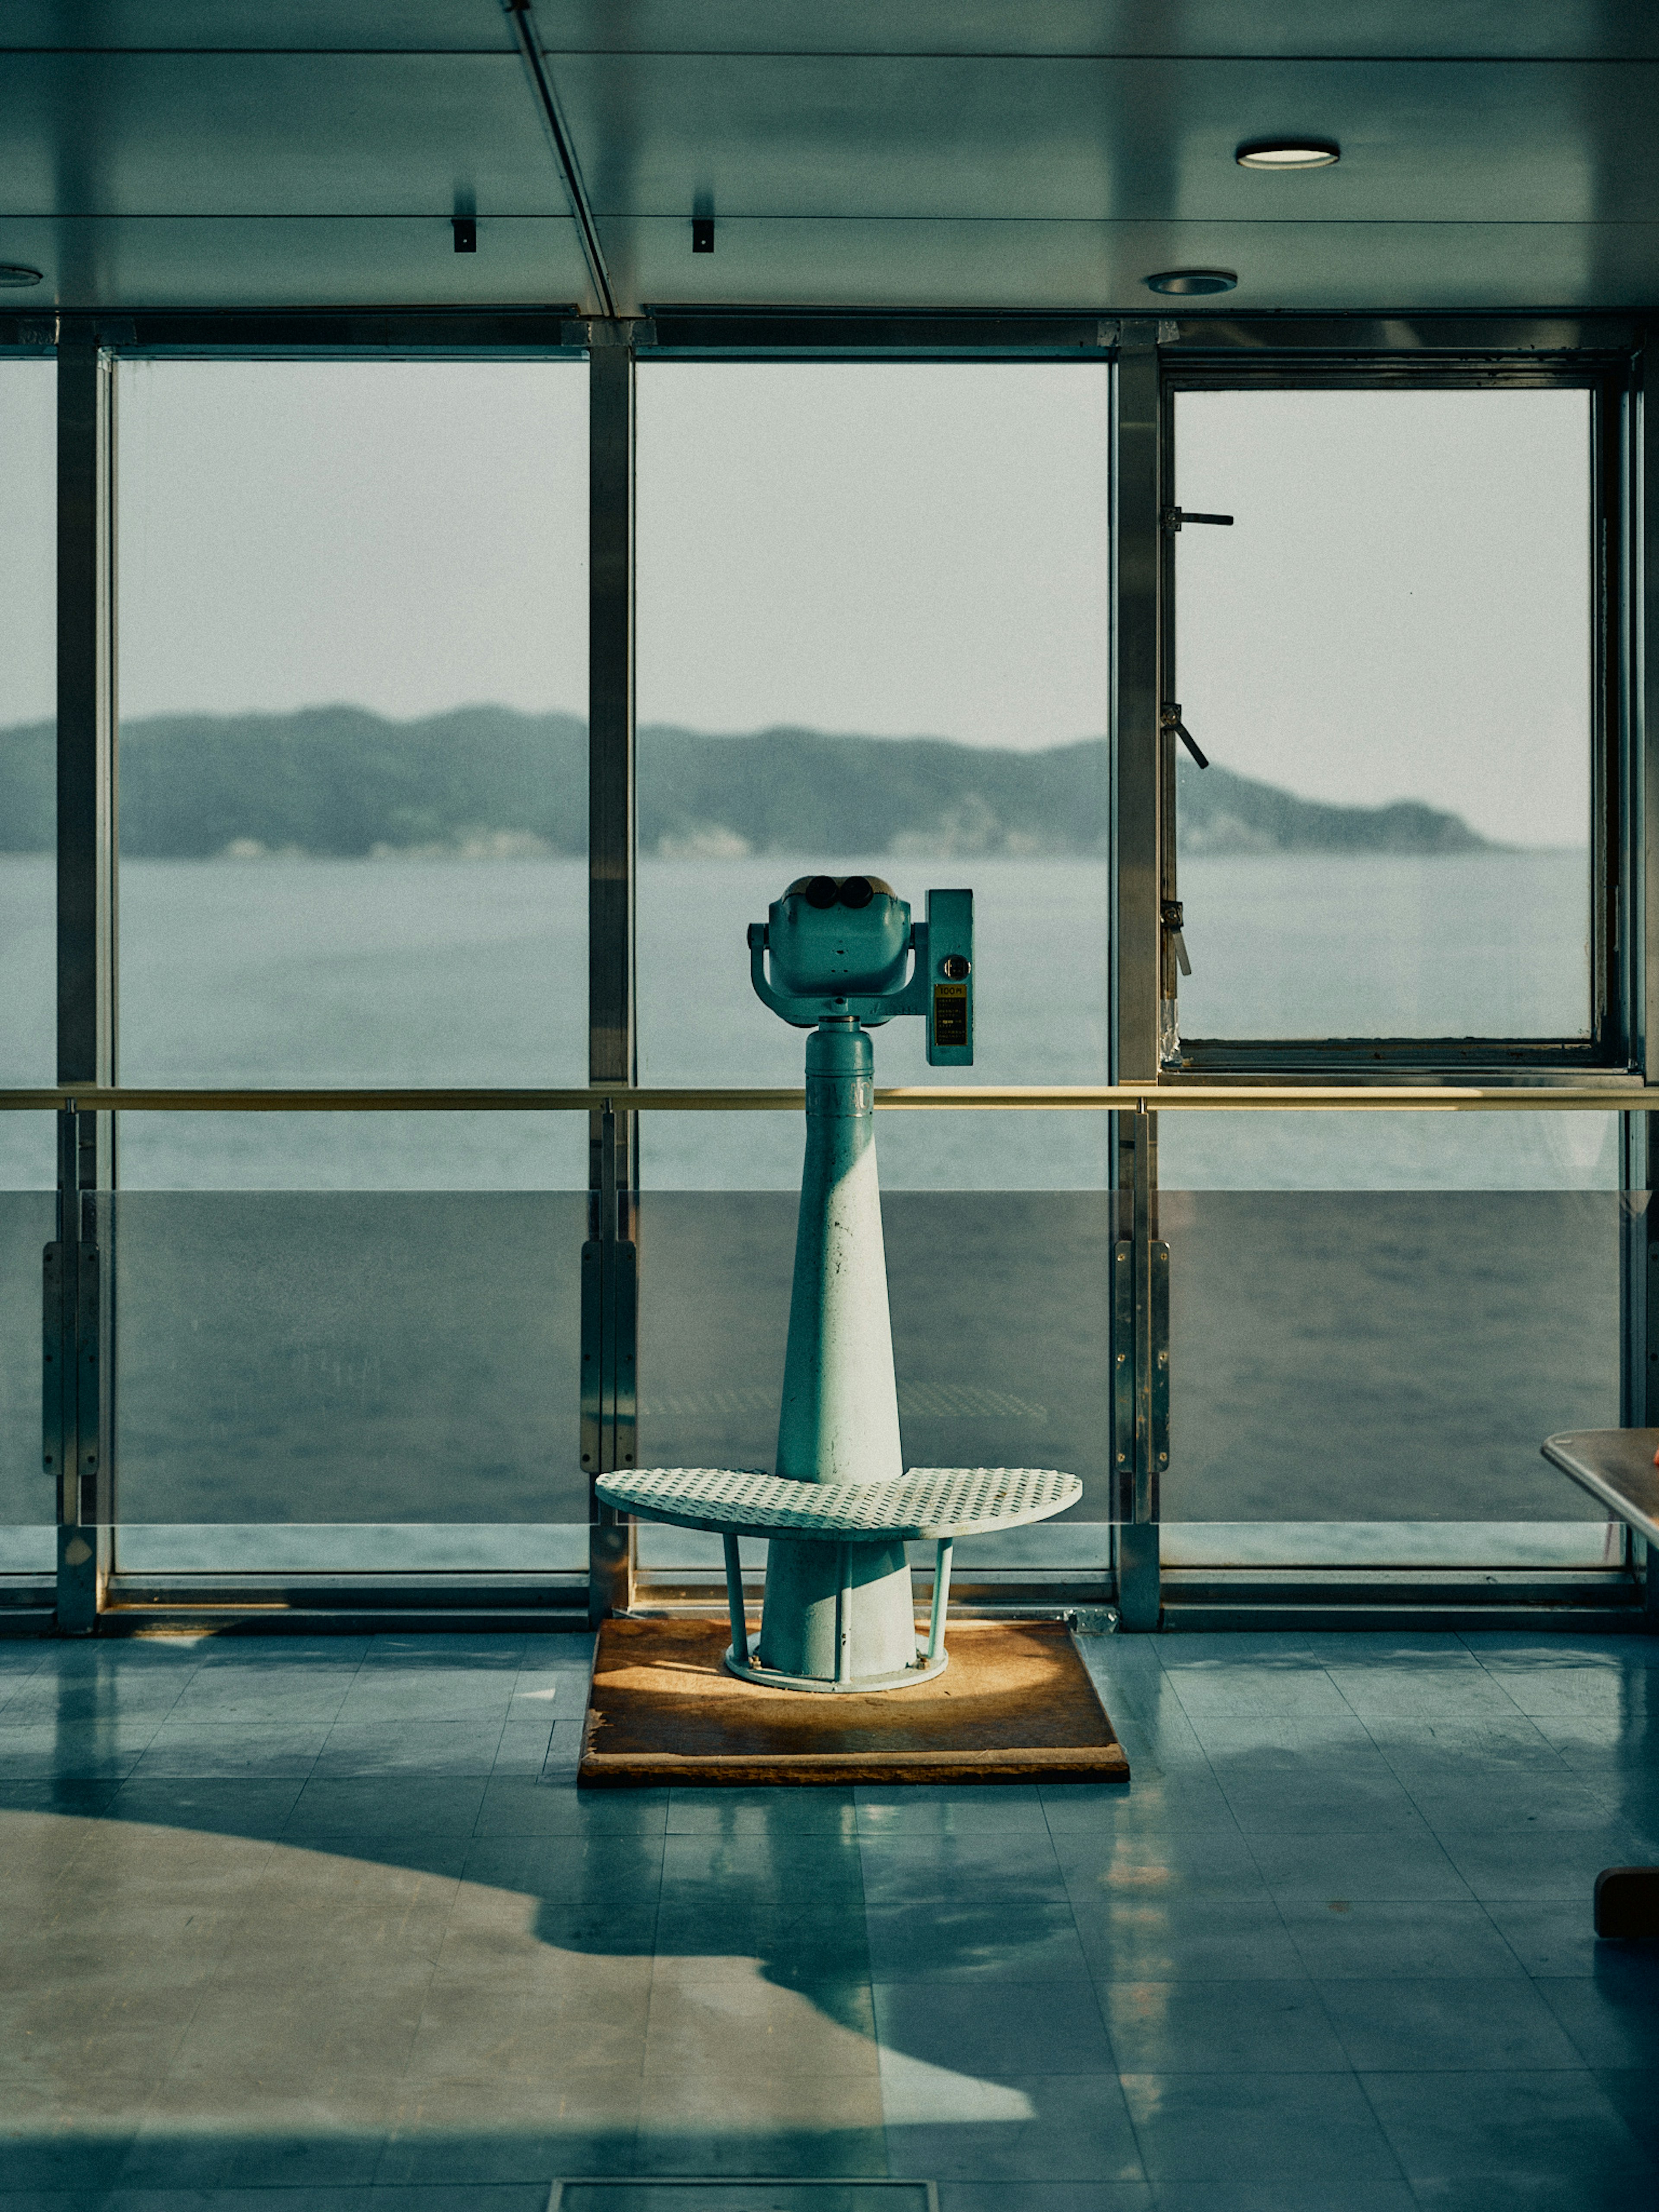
(840,954)
(838,949)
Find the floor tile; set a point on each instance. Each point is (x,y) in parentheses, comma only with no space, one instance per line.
(280,1751)
(536,2025)
(1612,2018)
(735,2027)
(491,2130)
(1052,2027)
(408,1746)
(1276,2026)
(1130,1863)
(1512,1865)
(1557,1937)
(977,1937)
(1201,1939)
(1445,2025)
(1376,1942)
(378,1811)
(516,1805)
(763,1813)
(1222,1689)
(1038,2196)
(1313,2131)
(1377,1866)
(1053,2128)
(1528,2126)
(707,2122)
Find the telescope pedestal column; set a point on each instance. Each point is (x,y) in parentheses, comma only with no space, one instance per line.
(839,1615)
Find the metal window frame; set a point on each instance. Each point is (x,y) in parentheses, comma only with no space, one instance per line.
(1593,355)
(79,1437)
(1218,351)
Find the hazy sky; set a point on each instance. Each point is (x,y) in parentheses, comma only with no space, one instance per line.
(1400,610)
(1401,607)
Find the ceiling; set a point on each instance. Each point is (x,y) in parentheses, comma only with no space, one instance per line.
(1018,154)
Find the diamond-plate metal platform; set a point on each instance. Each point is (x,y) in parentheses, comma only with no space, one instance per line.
(929,1504)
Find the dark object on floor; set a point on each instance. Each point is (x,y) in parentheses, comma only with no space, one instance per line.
(1627,1901)
(1617,1465)
(1015,1704)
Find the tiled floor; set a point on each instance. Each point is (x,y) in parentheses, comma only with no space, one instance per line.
(328,1919)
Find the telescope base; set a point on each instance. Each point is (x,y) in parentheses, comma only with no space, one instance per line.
(1018,1704)
(924,1670)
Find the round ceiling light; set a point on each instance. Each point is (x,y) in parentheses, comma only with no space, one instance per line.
(12,272)
(1289,154)
(1191,280)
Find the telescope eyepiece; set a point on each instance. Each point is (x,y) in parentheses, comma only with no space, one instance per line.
(822,891)
(857,891)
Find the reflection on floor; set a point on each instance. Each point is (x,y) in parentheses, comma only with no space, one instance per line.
(328,1919)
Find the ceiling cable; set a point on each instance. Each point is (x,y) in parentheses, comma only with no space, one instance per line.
(524,30)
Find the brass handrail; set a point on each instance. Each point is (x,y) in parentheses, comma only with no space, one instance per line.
(1617,1097)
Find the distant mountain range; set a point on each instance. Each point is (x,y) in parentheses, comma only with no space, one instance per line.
(487,780)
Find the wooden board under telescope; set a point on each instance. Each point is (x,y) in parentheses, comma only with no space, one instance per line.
(1016,1703)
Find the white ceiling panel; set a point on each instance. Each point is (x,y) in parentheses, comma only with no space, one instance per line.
(858,137)
(139,261)
(1426,29)
(370,26)
(271,134)
(964,153)
(1100,268)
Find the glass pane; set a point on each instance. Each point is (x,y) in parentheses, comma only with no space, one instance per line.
(1389,1152)
(349,1365)
(354,621)
(1387,659)
(1379,1356)
(28,773)
(1000,1305)
(873,613)
(28,1499)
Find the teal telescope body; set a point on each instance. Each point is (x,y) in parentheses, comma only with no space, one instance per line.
(839,955)
(845,956)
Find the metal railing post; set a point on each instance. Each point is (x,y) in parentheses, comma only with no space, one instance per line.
(78,1376)
(1138,561)
(610,1258)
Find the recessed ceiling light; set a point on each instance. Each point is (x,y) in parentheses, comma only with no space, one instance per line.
(1289,154)
(1191,280)
(12,272)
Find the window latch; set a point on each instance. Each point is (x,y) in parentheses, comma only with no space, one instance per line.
(1176,517)
(1172,918)
(1170,719)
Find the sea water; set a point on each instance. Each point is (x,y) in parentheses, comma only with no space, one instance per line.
(374,1318)
(456,973)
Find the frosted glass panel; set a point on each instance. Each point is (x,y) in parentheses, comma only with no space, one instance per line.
(1388,660)
(1374,1356)
(347,1358)
(27,1221)
(1001,1306)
